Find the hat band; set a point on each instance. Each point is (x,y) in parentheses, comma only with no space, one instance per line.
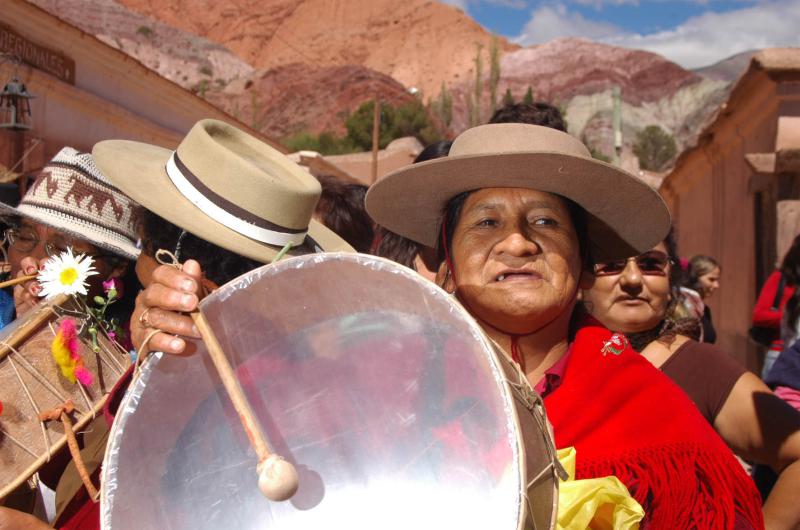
(227,213)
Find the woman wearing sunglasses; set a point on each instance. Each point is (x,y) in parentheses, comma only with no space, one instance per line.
(637,296)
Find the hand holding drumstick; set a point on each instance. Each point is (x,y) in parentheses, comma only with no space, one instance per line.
(171,291)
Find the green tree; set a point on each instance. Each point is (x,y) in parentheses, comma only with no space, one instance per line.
(528,99)
(359,125)
(494,71)
(327,143)
(145,31)
(655,148)
(443,105)
(478,88)
(508,99)
(409,119)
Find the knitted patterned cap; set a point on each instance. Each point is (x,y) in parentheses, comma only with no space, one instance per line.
(71,195)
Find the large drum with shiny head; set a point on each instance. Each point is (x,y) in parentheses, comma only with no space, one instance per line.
(384,393)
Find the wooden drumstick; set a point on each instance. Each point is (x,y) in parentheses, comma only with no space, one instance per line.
(277,478)
(16,281)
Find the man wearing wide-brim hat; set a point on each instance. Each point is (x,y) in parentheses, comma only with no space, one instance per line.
(222,186)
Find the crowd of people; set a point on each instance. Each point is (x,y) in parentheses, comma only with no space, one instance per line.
(567,263)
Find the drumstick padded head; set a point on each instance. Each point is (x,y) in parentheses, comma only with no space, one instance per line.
(277,478)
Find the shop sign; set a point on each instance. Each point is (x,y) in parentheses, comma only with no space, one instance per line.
(40,57)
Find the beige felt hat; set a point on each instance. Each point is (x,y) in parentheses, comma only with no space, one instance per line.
(70,194)
(625,215)
(224,186)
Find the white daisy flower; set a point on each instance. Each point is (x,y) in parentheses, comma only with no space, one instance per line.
(65,274)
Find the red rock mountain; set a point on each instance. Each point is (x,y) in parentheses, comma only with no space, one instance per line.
(578,75)
(288,99)
(561,69)
(420,43)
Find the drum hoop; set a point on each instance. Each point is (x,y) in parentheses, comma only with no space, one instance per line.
(115,433)
(61,442)
(31,325)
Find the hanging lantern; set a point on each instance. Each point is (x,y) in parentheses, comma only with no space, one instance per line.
(15,106)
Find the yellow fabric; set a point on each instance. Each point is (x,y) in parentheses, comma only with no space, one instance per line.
(597,503)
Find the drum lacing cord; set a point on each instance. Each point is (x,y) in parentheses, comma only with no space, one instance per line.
(534,402)
(165,257)
(62,413)
(516,353)
(41,379)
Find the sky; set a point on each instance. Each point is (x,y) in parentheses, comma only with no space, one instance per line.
(692,33)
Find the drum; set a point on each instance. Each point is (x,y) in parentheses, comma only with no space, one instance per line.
(378,386)
(31,384)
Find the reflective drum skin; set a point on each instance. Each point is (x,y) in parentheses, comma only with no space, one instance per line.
(377,385)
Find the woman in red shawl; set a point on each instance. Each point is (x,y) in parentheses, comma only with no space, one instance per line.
(518,212)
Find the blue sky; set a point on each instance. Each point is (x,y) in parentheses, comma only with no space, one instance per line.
(692,33)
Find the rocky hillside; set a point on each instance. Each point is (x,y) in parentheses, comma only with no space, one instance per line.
(187,59)
(420,43)
(286,100)
(578,76)
(729,69)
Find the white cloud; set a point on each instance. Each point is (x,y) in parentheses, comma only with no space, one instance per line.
(599,4)
(710,37)
(699,41)
(549,22)
(463,4)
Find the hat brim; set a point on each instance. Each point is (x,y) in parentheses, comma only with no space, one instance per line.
(625,216)
(139,170)
(125,251)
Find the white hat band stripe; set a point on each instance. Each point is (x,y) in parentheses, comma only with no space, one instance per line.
(222,216)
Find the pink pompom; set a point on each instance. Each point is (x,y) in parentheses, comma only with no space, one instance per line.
(84,376)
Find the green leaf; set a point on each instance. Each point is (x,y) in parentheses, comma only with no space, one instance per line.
(99,300)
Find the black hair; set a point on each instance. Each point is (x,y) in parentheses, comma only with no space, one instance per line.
(219,265)
(435,150)
(341,208)
(790,269)
(700,265)
(537,113)
(790,266)
(394,246)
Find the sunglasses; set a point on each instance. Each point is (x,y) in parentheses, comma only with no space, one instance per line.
(653,263)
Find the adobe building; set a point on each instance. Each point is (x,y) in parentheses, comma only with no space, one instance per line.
(356,168)
(86,91)
(734,196)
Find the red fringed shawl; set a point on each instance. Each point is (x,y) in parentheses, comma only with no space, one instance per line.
(627,419)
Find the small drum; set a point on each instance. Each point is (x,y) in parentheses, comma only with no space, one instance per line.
(31,384)
(382,391)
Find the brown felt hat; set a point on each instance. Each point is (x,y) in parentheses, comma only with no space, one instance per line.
(625,216)
(224,186)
